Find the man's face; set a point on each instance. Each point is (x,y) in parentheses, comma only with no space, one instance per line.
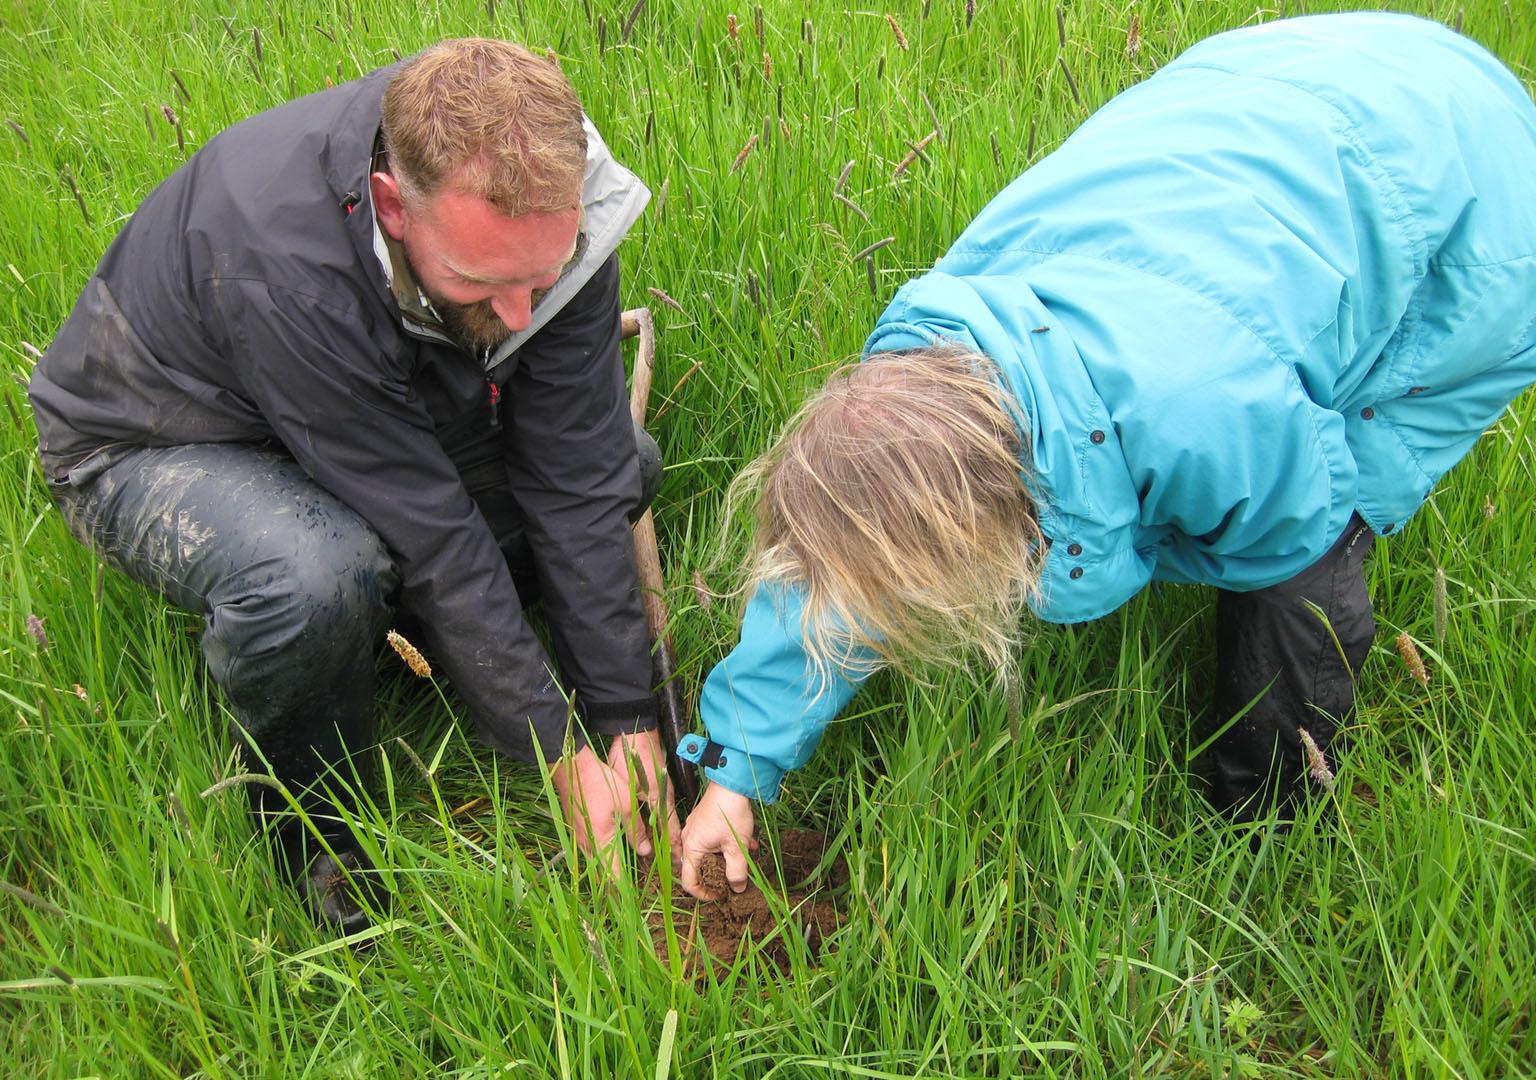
(480,269)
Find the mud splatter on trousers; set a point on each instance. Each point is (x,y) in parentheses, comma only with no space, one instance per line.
(295,589)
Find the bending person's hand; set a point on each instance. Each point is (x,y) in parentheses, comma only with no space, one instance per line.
(721,823)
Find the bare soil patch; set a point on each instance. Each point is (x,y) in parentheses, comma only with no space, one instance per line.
(810,900)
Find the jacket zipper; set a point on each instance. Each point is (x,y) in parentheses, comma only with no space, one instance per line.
(493,394)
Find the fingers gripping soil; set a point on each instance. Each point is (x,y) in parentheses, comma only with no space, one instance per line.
(808,897)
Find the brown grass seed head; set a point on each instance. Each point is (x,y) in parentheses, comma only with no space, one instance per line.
(409,653)
(1411,658)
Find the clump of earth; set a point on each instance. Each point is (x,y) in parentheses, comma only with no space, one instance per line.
(809,897)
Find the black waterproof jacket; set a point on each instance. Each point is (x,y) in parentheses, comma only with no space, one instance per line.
(247,300)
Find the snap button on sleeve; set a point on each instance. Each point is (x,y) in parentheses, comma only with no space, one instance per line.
(1077,572)
(1367,413)
(1096,437)
(1074,549)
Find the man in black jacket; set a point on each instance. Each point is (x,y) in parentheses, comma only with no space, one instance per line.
(359,353)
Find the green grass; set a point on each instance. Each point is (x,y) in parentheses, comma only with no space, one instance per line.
(1036,888)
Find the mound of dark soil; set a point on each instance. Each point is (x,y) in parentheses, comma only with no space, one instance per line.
(724,926)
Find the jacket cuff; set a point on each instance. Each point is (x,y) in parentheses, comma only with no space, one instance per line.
(737,770)
(611,718)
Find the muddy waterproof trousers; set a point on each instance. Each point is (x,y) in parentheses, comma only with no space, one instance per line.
(1289,656)
(295,589)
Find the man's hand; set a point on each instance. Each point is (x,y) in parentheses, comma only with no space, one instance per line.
(722,822)
(639,766)
(599,798)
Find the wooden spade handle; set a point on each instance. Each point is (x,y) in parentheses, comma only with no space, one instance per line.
(674,714)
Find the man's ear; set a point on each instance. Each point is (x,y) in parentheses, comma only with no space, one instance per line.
(387,204)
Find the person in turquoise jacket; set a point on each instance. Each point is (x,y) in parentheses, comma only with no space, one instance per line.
(1242,321)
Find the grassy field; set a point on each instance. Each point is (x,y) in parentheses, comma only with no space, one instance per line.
(1036,890)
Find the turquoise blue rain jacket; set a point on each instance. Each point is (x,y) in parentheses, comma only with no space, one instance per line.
(1290,277)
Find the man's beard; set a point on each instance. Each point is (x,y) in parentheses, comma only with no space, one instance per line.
(475,328)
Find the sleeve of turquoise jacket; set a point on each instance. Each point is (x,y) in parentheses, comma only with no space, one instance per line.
(764,706)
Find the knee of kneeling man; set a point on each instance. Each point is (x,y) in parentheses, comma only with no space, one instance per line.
(346,579)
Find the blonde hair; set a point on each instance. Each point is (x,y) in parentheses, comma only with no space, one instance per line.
(489,118)
(895,498)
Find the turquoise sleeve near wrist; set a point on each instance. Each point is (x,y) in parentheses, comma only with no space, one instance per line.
(765,705)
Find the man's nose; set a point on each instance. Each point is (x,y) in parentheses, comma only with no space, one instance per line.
(514,307)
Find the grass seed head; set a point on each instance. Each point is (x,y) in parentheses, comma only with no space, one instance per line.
(1077,99)
(665,299)
(876,246)
(409,653)
(1317,763)
(745,150)
(849,203)
(39,635)
(914,153)
(1133,36)
(842,177)
(1411,658)
(897,32)
(629,21)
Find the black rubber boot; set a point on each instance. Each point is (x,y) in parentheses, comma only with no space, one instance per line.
(1273,650)
(343,891)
